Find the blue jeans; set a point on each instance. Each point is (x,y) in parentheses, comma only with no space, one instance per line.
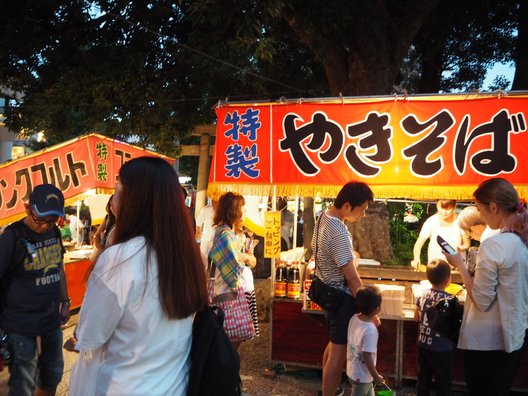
(28,369)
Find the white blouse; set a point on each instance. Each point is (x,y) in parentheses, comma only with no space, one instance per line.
(498,318)
(143,352)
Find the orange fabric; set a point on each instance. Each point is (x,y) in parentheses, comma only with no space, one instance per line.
(78,165)
(422,147)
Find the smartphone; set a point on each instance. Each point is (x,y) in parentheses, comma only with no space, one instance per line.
(446,247)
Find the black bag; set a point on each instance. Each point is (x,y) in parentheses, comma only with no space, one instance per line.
(445,317)
(215,364)
(327,297)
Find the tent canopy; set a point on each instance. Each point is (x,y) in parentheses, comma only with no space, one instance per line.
(79,168)
(421,147)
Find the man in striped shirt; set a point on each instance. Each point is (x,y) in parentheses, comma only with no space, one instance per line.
(334,265)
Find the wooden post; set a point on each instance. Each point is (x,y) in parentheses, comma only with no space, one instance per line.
(204,163)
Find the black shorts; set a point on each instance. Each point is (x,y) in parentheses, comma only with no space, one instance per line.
(338,320)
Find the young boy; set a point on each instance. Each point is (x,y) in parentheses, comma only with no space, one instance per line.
(363,342)
(434,351)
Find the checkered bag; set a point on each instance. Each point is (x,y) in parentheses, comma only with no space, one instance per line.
(238,322)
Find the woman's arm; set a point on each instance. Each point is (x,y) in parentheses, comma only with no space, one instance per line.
(101,311)
(456,261)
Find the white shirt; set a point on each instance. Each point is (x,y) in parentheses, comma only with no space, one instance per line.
(334,250)
(499,318)
(74,227)
(362,337)
(144,353)
(205,221)
(432,227)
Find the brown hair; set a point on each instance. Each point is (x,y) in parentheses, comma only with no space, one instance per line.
(502,192)
(229,211)
(152,205)
(446,203)
(438,272)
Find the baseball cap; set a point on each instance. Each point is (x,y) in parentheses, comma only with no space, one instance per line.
(47,200)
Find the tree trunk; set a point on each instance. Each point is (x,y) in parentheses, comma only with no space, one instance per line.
(371,234)
(365,67)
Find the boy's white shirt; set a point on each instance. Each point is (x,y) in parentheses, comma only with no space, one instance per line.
(362,337)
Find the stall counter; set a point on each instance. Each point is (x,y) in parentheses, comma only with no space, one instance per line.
(76,266)
(299,337)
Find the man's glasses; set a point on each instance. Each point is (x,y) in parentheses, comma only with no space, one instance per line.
(41,221)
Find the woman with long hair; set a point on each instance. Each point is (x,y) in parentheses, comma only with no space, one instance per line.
(232,260)
(496,314)
(135,327)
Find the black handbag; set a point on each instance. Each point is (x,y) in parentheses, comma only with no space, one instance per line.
(327,297)
(445,317)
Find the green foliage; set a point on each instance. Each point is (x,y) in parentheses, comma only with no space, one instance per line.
(403,234)
(156,69)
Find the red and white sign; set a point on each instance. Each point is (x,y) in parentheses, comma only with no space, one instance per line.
(78,165)
(417,147)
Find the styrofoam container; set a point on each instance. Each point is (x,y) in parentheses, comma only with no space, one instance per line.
(392,299)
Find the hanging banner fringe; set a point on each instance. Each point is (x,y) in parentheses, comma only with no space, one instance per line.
(439,146)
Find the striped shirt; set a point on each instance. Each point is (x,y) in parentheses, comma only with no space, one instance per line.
(333,251)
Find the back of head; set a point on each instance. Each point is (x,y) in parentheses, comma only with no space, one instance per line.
(438,272)
(228,210)
(282,203)
(152,205)
(368,299)
(354,193)
(469,217)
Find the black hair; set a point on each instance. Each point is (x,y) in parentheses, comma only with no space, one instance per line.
(355,193)
(368,299)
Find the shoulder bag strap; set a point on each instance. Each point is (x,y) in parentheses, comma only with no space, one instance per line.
(317,238)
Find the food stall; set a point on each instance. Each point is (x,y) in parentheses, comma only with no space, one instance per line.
(80,168)
(405,147)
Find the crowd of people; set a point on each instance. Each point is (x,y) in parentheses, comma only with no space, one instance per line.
(150,276)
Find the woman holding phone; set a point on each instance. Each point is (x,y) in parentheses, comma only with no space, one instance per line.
(495,319)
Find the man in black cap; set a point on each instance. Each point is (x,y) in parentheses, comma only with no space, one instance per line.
(33,294)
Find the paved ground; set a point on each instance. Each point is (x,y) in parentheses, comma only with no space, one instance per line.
(256,377)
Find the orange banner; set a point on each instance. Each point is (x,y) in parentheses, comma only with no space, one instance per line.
(427,147)
(76,166)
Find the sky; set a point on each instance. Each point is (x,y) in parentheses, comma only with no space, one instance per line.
(505,69)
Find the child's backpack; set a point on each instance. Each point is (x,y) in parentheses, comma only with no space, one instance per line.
(445,317)
(215,364)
